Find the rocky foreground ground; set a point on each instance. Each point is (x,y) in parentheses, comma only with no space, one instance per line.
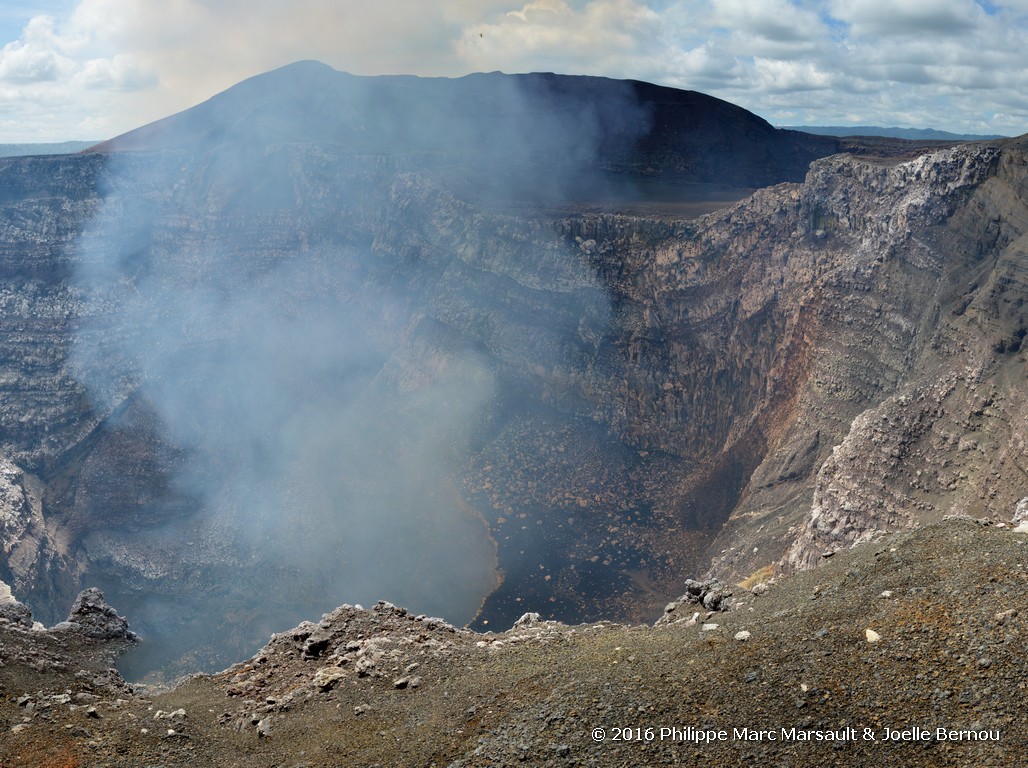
(905,651)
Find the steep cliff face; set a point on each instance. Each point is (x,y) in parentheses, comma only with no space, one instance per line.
(824,361)
(913,406)
(951,436)
(281,372)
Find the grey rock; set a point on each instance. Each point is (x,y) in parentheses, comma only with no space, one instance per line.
(93,617)
(264,727)
(16,613)
(527,620)
(711,594)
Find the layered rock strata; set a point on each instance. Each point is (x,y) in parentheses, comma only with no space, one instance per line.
(642,398)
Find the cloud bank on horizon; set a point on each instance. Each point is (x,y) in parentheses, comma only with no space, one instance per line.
(74,69)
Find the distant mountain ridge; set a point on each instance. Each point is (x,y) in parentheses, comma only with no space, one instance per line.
(529,125)
(45,148)
(525,137)
(912,134)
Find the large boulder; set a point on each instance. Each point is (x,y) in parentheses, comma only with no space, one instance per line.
(93,617)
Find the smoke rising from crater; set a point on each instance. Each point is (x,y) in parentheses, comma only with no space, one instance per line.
(285,295)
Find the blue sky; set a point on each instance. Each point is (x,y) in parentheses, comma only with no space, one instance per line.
(90,69)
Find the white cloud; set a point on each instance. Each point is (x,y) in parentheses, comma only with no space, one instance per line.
(772,76)
(60,77)
(706,66)
(36,57)
(554,35)
(780,21)
(123,72)
(872,18)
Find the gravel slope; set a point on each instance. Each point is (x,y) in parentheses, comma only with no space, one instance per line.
(382,687)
